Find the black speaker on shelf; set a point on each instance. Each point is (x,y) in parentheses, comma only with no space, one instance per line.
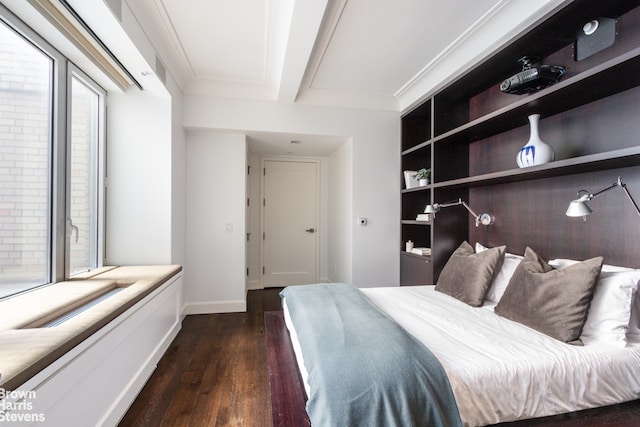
(594,36)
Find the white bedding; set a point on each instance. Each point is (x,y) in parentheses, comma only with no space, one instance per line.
(500,370)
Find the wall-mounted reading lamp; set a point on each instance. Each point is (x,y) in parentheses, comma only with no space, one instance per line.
(579,207)
(431,210)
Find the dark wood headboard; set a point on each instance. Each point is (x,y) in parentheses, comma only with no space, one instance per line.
(532,213)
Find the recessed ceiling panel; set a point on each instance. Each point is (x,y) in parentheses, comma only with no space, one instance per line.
(377,47)
(222,39)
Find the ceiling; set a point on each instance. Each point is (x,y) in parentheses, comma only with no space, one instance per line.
(343,53)
(348,52)
(294,144)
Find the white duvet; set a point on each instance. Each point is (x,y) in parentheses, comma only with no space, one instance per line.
(500,370)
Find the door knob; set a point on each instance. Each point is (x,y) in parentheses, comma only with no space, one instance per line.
(310,230)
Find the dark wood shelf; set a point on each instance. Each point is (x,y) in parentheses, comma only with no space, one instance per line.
(415,222)
(554,34)
(594,162)
(591,85)
(417,147)
(416,189)
(416,126)
(426,258)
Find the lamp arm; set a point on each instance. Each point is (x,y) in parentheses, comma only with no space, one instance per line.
(623,186)
(633,202)
(475,215)
(484,219)
(449,204)
(604,190)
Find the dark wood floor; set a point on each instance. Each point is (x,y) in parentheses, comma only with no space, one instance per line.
(213,374)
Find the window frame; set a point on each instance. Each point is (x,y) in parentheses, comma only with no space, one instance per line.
(59,154)
(100,163)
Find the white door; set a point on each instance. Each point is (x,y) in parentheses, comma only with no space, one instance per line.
(290,222)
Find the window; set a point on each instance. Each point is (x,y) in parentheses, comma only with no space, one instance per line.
(84,185)
(51,125)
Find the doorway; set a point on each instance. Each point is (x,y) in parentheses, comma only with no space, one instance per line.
(290,218)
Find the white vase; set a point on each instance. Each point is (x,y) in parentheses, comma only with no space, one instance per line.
(423,182)
(535,152)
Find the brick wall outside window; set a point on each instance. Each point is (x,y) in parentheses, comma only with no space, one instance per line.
(25,110)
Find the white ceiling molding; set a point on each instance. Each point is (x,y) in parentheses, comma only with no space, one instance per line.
(148,17)
(309,95)
(327,30)
(355,74)
(173,36)
(232,49)
(344,99)
(231,89)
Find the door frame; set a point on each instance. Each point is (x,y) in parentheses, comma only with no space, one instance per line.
(290,159)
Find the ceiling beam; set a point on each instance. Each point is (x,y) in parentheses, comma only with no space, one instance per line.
(305,26)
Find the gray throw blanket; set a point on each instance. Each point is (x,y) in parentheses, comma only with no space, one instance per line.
(364,369)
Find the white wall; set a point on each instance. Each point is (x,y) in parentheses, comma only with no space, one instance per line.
(216,195)
(324,229)
(178,176)
(139,205)
(376,196)
(340,224)
(373,170)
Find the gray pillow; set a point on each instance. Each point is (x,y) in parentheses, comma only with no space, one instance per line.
(554,302)
(467,275)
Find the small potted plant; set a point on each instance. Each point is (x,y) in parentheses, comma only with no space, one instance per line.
(423,176)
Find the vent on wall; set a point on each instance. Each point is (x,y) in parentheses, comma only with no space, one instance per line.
(67,21)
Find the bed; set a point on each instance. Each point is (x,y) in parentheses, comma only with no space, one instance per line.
(502,369)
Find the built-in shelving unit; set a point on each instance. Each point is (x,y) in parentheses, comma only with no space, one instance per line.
(470,132)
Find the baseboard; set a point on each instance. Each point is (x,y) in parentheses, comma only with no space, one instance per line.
(214,307)
(254,285)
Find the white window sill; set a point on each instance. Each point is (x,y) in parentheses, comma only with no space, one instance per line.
(26,348)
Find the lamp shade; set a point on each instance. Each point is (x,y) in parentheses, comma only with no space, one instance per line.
(578,208)
(430,209)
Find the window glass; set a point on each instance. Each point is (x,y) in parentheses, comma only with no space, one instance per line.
(83,177)
(26,76)
(51,144)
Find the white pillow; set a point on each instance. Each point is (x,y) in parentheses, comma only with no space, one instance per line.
(610,312)
(501,280)
(564,262)
(634,322)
